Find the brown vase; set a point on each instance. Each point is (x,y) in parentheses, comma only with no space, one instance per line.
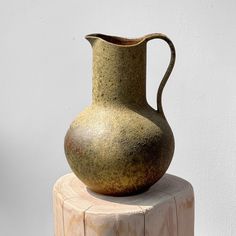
(120,145)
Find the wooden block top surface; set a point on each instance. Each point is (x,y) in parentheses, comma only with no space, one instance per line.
(77,196)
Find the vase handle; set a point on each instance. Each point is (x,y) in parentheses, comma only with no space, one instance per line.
(169,68)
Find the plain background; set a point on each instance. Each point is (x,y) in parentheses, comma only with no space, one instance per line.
(46,75)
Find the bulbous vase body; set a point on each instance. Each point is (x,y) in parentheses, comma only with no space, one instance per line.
(119,145)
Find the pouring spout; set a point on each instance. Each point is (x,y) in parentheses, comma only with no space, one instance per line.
(92,38)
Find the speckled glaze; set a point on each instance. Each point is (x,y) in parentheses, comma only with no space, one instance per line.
(119,145)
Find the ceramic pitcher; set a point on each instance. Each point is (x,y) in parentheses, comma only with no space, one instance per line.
(120,145)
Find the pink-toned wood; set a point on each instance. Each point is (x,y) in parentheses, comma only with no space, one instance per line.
(166,209)
(58,214)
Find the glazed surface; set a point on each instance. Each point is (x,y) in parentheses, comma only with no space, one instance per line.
(120,145)
(118,150)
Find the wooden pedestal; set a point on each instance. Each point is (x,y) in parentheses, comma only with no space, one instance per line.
(166,209)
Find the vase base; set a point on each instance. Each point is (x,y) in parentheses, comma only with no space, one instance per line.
(118,194)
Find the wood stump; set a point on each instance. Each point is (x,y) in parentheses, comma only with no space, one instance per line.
(166,209)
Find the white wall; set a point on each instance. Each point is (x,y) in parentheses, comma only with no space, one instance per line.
(45,75)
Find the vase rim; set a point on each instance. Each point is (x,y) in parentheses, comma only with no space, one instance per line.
(116,40)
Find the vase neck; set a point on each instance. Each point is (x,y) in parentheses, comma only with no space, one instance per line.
(119,70)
